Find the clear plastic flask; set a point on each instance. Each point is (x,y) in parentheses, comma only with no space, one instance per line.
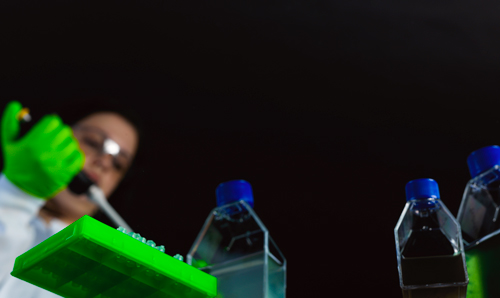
(235,246)
(430,254)
(479,217)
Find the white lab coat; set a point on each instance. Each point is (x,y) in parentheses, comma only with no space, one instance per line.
(20,229)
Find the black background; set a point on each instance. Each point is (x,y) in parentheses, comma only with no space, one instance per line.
(328,108)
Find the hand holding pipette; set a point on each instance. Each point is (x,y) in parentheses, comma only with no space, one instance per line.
(43,161)
(50,137)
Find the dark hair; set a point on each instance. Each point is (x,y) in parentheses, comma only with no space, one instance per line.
(75,110)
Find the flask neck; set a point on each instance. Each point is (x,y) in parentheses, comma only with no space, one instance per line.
(237,211)
(425,219)
(425,212)
(425,204)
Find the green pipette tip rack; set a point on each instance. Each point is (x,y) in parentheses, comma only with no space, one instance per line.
(90,259)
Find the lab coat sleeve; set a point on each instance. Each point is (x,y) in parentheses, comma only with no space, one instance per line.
(17,210)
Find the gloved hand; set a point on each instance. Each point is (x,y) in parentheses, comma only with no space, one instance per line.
(45,160)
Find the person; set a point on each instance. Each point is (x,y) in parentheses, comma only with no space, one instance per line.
(38,166)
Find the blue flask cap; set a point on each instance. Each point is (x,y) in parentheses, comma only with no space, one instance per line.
(425,188)
(483,159)
(233,191)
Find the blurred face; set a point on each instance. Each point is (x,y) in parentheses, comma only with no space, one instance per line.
(119,139)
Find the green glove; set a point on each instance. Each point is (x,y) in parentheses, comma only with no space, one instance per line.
(45,160)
